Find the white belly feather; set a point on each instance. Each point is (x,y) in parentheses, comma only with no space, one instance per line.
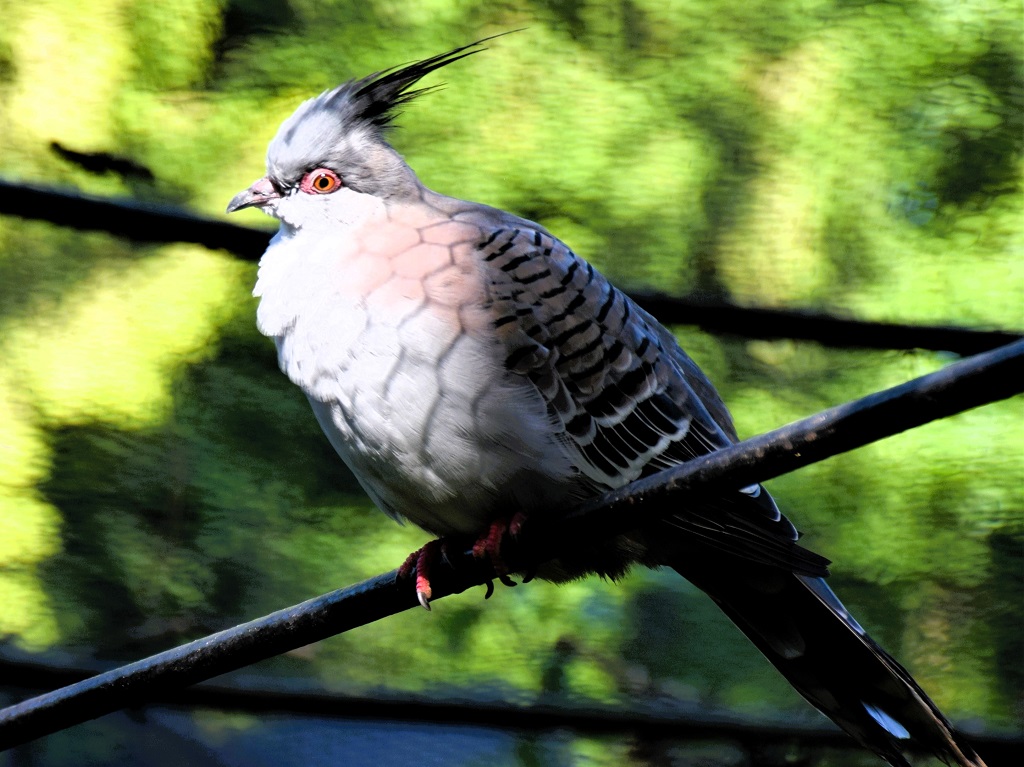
(408,388)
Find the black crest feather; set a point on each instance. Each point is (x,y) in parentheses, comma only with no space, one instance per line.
(377,98)
(333,128)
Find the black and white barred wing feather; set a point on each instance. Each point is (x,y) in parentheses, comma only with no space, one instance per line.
(626,402)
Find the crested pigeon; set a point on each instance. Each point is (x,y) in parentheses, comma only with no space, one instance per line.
(467,366)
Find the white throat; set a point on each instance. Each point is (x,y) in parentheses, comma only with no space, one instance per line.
(318,238)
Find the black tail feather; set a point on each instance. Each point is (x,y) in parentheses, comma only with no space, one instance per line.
(808,635)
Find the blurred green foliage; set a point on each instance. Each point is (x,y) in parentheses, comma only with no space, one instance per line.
(159,479)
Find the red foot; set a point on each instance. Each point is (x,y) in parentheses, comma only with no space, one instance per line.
(490,546)
(419,562)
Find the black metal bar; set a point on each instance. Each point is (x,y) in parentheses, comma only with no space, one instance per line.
(134,220)
(298,697)
(966,384)
(147,222)
(771,324)
(301,698)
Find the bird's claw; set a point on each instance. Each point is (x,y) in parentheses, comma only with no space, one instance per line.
(419,562)
(487,547)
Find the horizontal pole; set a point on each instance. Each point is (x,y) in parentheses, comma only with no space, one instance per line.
(301,698)
(724,318)
(972,382)
(154,223)
(132,219)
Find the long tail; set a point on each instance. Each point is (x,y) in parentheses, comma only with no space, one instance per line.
(806,632)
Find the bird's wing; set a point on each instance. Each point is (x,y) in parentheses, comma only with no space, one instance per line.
(625,399)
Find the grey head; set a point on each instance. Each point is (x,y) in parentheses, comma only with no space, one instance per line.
(333,147)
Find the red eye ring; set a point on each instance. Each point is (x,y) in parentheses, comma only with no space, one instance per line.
(320,181)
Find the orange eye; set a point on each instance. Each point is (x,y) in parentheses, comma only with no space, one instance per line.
(320,181)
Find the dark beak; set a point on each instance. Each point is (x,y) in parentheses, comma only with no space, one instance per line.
(256,196)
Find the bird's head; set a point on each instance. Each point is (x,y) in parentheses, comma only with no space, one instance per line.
(330,161)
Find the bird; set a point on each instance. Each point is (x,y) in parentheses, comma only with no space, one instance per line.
(470,369)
